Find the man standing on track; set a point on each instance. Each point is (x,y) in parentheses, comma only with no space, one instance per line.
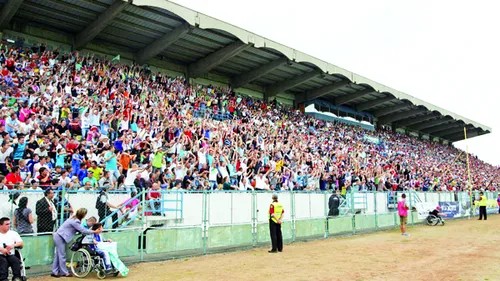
(482,206)
(403,215)
(275,219)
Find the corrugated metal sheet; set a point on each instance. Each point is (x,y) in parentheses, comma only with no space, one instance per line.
(234,67)
(196,47)
(162,11)
(196,39)
(215,35)
(54,13)
(85,8)
(127,35)
(178,57)
(190,49)
(113,38)
(144,22)
(249,65)
(191,54)
(265,53)
(152,15)
(138,29)
(286,71)
(248,56)
(60,24)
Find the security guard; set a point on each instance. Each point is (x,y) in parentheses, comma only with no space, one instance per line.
(482,206)
(275,219)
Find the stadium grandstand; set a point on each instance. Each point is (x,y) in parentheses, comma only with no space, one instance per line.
(116,106)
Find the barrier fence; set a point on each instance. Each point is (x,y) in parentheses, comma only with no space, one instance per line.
(180,223)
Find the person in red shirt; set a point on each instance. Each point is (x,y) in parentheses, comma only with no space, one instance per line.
(13,178)
(154,197)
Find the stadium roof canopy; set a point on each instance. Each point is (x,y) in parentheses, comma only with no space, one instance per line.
(162,30)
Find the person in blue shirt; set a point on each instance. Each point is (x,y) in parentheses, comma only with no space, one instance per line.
(82,172)
(60,157)
(76,161)
(97,228)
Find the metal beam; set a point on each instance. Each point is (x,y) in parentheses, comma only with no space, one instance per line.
(398,116)
(256,73)
(452,131)
(98,25)
(153,49)
(350,97)
(425,125)
(435,129)
(369,104)
(282,86)
(204,65)
(8,11)
(391,109)
(317,93)
(415,120)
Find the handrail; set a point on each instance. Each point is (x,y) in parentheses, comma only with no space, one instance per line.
(117,210)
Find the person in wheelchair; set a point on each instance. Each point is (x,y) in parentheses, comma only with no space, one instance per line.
(435,216)
(97,227)
(9,241)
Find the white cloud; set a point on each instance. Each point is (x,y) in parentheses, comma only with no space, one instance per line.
(444,52)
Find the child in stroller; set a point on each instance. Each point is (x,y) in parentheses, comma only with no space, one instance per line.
(435,217)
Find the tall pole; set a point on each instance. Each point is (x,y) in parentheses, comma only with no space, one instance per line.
(468,171)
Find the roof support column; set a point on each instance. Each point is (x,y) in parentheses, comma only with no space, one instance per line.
(317,93)
(204,65)
(8,11)
(93,29)
(282,86)
(350,97)
(369,104)
(256,73)
(153,49)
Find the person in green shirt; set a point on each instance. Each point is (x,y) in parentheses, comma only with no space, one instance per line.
(90,178)
(158,159)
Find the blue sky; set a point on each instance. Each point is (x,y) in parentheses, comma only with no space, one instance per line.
(444,52)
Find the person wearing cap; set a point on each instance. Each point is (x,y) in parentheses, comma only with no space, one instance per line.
(90,178)
(276,212)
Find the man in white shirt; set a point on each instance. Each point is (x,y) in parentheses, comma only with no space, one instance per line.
(9,240)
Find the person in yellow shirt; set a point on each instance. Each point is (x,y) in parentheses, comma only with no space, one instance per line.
(276,212)
(482,206)
(95,170)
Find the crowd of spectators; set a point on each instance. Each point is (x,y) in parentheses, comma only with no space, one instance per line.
(85,122)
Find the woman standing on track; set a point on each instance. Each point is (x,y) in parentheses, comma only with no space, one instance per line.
(64,235)
(403,215)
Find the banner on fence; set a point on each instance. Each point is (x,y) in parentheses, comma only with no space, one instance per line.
(451,209)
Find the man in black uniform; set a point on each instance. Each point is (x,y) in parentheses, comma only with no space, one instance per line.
(334,203)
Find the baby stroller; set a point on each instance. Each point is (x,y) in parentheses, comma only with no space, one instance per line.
(85,259)
(434,217)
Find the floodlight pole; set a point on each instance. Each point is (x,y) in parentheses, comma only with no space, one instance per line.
(468,172)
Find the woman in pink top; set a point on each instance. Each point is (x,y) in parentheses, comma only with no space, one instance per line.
(403,215)
(131,204)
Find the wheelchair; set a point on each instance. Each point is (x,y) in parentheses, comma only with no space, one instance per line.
(19,255)
(434,220)
(85,260)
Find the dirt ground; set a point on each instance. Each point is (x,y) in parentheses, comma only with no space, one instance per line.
(460,250)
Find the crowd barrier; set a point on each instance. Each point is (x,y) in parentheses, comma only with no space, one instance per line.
(201,222)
